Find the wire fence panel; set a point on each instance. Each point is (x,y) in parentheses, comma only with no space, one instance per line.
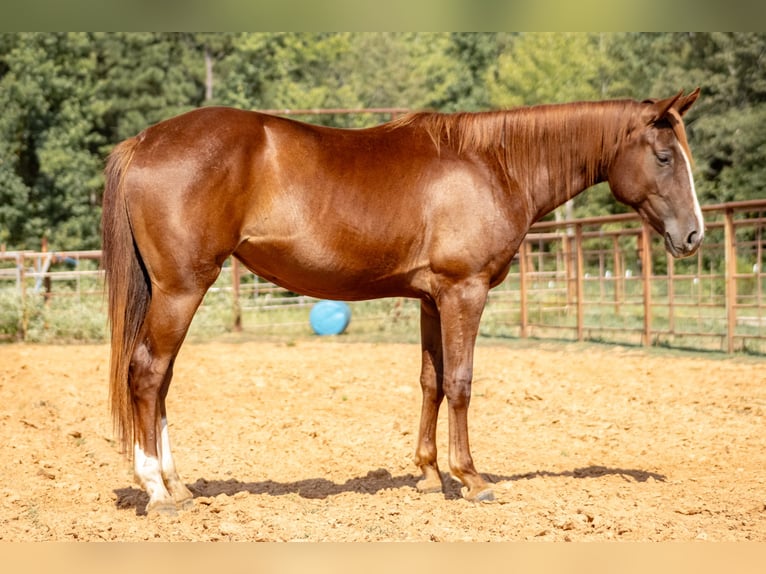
(603,279)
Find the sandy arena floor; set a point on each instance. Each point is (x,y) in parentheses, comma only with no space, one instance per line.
(313,441)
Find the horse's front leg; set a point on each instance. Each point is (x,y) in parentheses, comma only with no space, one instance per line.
(433,394)
(461,307)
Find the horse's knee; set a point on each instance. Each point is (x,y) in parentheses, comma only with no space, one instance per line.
(457,389)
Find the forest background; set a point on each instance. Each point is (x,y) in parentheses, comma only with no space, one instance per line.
(67,98)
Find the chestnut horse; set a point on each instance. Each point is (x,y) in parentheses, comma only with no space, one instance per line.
(429,206)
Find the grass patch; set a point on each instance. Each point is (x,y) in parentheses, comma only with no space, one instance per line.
(695,322)
(64,318)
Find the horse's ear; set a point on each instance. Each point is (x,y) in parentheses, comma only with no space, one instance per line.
(684,103)
(659,108)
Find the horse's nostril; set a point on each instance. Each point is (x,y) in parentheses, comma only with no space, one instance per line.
(691,238)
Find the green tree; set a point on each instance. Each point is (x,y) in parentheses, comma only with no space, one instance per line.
(405,70)
(287,71)
(67,98)
(49,160)
(217,49)
(340,70)
(543,68)
(475,53)
(143,78)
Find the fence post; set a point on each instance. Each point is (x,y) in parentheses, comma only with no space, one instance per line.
(235,294)
(730,271)
(580,286)
(522,255)
(671,295)
(619,277)
(570,269)
(759,271)
(23,290)
(646,277)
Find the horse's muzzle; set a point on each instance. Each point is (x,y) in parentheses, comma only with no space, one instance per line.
(687,246)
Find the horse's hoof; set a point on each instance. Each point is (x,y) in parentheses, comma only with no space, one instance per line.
(186,504)
(480,494)
(166,509)
(429,486)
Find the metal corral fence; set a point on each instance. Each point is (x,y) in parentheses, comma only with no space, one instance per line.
(610,279)
(604,279)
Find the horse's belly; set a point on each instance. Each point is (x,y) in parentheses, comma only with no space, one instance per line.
(352,273)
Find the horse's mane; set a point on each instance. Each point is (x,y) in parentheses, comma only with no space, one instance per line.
(564,136)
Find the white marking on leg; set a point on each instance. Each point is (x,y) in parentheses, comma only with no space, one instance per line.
(168,466)
(697,208)
(149,475)
(173,482)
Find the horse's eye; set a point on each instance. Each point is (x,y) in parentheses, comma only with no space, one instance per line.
(664,159)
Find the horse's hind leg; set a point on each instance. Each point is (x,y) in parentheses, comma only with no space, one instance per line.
(433,394)
(177,489)
(164,329)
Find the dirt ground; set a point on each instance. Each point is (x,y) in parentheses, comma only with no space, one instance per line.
(313,441)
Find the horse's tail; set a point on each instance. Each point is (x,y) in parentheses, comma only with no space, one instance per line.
(127,285)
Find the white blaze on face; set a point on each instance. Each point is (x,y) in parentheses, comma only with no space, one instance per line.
(697,208)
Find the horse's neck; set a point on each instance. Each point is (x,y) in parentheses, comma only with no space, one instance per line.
(569,149)
(555,189)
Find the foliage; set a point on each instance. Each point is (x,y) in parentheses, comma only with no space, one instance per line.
(64,319)
(67,98)
(546,68)
(10,314)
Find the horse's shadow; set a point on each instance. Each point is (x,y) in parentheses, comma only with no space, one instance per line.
(373,482)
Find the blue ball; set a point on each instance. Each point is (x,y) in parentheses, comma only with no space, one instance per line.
(329,317)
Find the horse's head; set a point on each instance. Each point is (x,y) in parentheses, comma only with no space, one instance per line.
(652,173)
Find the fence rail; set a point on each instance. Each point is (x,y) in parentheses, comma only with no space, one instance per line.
(602,278)
(609,278)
